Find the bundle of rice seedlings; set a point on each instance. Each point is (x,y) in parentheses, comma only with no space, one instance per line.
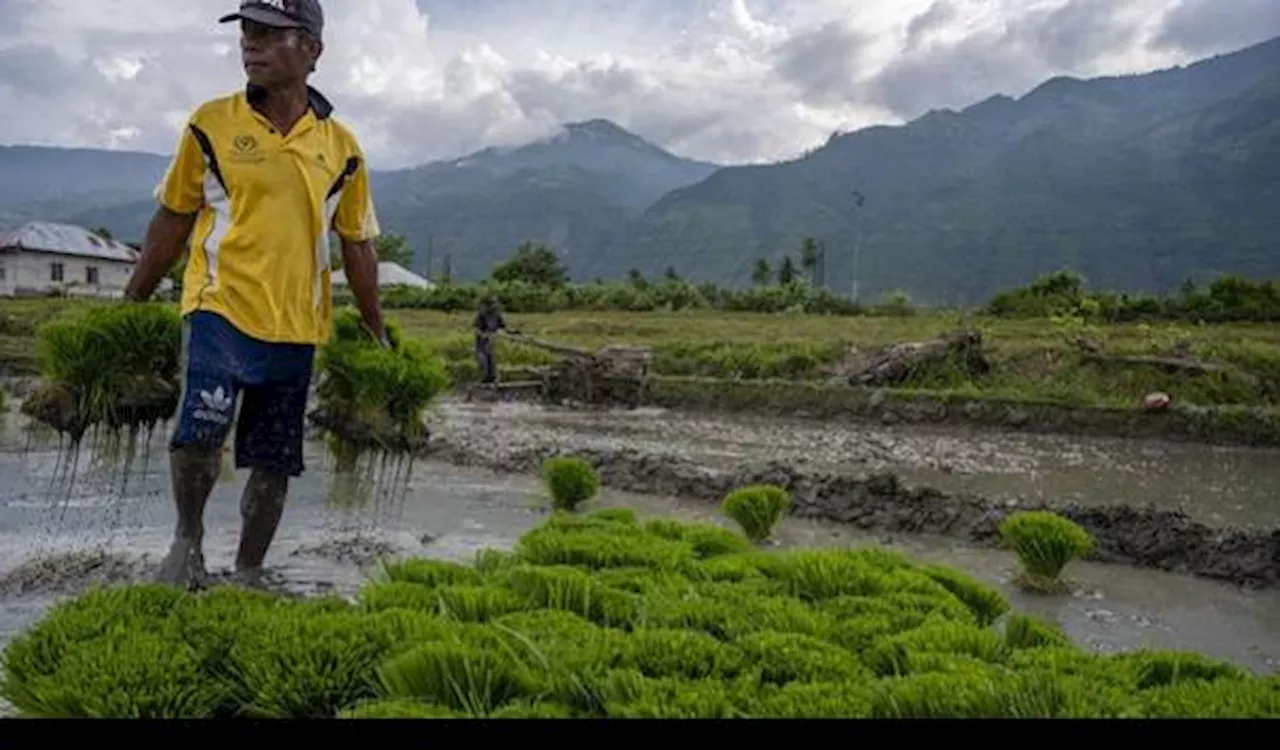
(112,366)
(1045,542)
(757,509)
(570,481)
(374,399)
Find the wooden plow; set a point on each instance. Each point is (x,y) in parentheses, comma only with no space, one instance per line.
(611,377)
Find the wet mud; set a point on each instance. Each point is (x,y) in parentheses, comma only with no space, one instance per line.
(1143,537)
(1216,485)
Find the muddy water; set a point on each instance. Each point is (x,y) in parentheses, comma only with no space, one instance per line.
(51,547)
(1216,485)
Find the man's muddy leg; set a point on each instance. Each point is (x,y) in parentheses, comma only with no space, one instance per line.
(269,440)
(261,508)
(193,471)
(206,413)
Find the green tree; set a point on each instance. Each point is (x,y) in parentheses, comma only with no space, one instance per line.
(762,274)
(787,271)
(671,274)
(104,233)
(809,258)
(637,279)
(533,264)
(390,248)
(394,248)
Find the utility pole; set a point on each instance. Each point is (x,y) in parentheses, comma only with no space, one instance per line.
(858,200)
(822,264)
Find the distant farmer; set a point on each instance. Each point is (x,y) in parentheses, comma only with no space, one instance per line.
(260,178)
(488,321)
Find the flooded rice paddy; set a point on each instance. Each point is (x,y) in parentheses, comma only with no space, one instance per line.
(55,542)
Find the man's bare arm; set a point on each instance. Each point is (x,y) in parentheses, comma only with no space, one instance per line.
(166,240)
(361,265)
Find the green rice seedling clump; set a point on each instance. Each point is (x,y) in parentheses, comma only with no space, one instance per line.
(604,616)
(1023,632)
(571,482)
(399,709)
(108,366)
(757,509)
(373,398)
(1044,543)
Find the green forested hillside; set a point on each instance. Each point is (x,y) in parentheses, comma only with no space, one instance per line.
(1136,182)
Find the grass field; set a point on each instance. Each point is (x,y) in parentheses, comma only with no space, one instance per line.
(1032,359)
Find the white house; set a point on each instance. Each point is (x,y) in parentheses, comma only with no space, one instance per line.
(43,258)
(389,275)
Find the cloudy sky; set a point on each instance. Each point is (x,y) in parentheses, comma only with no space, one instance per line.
(727,80)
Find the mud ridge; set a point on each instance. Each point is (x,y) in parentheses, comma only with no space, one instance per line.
(357,551)
(73,572)
(1146,537)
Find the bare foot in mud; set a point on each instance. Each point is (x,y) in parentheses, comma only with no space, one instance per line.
(250,578)
(183,566)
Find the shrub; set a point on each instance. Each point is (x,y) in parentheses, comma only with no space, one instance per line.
(757,509)
(570,482)
(1044,542)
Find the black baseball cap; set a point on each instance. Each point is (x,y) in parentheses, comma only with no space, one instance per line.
(282,14)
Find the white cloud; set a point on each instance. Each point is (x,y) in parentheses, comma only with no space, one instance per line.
(728,80)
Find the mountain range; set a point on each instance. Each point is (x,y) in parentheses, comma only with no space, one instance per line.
(1138,182)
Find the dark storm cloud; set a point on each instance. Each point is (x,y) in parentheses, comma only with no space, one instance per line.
(822,63)
(1205,27)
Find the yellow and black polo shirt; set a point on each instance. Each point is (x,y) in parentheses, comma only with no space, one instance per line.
(267,202)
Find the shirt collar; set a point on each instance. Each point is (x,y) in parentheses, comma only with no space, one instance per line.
(315,100)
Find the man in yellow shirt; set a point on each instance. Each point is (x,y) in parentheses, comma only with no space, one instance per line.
(259,180)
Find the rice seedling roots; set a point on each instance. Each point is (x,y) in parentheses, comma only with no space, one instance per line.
(150,401)
(365,436)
